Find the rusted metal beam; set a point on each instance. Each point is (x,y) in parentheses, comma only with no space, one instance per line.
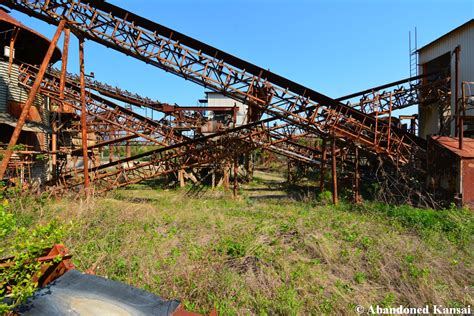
(198,62)
(31,98)
(13,38)
(64,61)
(85,152)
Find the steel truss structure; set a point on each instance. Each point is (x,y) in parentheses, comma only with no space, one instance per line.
(363,120)
(264,91)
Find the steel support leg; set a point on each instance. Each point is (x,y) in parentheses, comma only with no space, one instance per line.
(322,169)
(64,60)
(85,156)
(225,181)
(334,172)
(236,176)
(356,176)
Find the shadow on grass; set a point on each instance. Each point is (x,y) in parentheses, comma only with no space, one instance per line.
(296,192)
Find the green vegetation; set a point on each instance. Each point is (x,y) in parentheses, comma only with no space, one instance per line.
(264,256)
(21,244)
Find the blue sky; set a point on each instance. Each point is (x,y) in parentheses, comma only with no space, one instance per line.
(334,47)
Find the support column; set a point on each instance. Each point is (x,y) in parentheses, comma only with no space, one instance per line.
(54,148)
(181,178)
(62,79)
(248,166)
(456,90)
(31,98)
(236,176)
(334,172)
(213,178)
(62,83)
(356,176)
(13,38)
(225,181)
(322,169)
(85,156)
(461,116)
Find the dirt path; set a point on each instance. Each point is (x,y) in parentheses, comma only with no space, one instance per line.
(266,185)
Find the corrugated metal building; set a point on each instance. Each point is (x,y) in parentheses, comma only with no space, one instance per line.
(29,162)
(440,55)
(450,169)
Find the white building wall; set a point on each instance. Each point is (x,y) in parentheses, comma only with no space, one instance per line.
(217,99)
(464,37)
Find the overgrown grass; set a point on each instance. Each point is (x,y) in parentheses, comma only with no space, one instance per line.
(247,256)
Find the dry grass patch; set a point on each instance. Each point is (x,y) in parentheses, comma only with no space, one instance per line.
(266,257)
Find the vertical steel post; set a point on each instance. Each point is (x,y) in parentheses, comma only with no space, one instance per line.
(461,117)
(12,49)
(389,122)
(334,172)
(54,148)
(356,176)
(31,98)
(236,176)
(213,178)
(64,60)
(181,178)
(62,83)
(456,89)
(85,156)
(225,180)
(322,169)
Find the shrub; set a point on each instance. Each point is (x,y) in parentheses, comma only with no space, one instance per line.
(325,197)
(22,246)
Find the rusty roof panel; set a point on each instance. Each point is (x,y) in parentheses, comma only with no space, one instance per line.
(36,43)
(452,144)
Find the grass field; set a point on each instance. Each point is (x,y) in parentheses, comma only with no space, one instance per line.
(266,254)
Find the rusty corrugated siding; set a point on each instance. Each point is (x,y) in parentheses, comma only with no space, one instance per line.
(468,181)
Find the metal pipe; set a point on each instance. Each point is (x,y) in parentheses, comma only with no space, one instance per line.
(31,98)
(456,89)
(461,117)
(83,116)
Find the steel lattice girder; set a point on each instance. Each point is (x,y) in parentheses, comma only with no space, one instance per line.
(219,71)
